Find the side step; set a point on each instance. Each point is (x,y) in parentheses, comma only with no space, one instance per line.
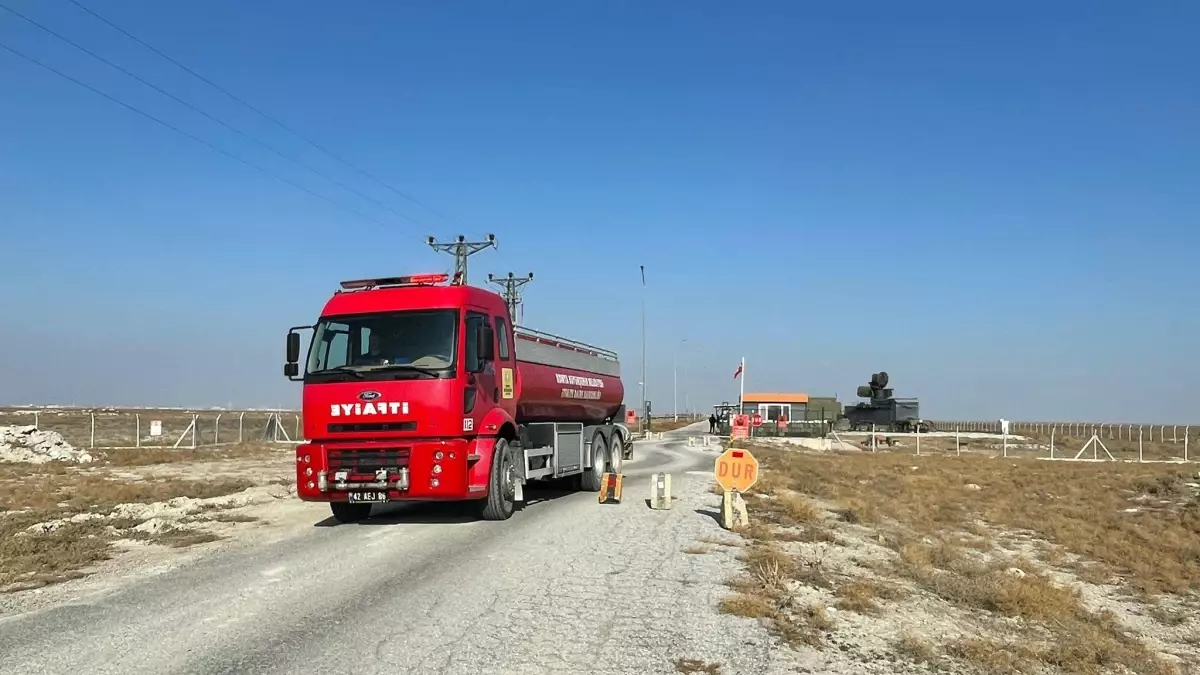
(528,474)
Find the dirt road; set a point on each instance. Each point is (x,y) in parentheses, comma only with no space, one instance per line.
(565,586)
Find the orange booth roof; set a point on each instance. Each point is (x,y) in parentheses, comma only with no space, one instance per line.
(775,398)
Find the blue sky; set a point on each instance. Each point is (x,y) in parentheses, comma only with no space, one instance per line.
(996,204)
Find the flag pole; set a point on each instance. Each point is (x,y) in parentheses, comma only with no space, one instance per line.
(742,391)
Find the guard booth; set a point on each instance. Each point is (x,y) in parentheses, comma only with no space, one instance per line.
(791,414)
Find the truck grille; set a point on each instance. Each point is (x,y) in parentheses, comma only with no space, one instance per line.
(367,460)
(371,426)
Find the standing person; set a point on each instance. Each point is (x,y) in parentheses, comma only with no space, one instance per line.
(712,423)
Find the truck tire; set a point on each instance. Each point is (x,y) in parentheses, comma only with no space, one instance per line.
(501,500)
(345,512)
(591,480)
(615,453)
(625,443)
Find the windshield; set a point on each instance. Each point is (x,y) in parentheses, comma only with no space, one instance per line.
(391,345)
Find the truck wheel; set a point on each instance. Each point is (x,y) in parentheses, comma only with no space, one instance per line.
(624,445)
(592,478)
(615,453)
(501,500)
(345,512)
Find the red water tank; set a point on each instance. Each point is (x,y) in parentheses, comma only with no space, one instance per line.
(561,380)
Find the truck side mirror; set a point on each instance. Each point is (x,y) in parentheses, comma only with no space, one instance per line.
(487,344)
(293,347)
(291,369)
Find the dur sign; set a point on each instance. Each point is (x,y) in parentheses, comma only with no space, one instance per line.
(736,470)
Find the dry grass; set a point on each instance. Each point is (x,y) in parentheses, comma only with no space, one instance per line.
(1085,508)
(176,537)
(914,648)
(696,667)
(765,594)
(1135,524)
(57,490)
(233,518)
(35,494)
(864,595)
(720,541)
(154,456)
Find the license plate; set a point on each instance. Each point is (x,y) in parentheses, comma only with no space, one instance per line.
(371,496)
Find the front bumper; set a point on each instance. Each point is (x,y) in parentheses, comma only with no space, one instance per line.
(408,470)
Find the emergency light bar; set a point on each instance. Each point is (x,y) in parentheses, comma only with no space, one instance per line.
(411,280)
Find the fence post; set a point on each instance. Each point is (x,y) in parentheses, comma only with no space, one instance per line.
(217,430)
(37,420)
(92,433)
(137,429)
(298,436)
(241,417)
(195,421)
(957,447)
(1051,442)
(918,440)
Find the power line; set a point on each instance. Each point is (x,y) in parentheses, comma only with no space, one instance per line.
(193,108)
(262,114)
(188,135)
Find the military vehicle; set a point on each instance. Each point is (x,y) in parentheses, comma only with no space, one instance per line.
(882,411)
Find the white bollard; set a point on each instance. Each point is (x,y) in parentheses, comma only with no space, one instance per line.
(660,491)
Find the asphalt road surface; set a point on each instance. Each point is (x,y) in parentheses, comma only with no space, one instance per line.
(565,586)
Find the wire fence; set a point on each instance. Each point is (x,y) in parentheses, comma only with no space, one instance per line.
(121,429)
(1152,433)
(1097,441)
(1060,442)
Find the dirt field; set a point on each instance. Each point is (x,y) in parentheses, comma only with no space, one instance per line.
(975,564)
(58,520)
(126,428)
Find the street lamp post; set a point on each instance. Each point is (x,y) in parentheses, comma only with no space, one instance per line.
(645,414)
(675,367)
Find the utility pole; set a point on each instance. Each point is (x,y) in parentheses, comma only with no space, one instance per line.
(675,386)
(462,249)
(511,286)
(645,388)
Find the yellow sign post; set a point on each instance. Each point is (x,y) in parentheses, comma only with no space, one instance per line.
(736,471)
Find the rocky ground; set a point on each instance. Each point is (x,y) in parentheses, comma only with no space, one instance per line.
(854,563)
(27,444)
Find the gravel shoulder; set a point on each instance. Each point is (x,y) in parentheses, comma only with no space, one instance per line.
(567,585)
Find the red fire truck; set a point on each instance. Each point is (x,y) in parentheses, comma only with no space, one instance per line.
(419,390)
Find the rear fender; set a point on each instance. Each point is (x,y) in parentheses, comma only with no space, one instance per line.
(485,444)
